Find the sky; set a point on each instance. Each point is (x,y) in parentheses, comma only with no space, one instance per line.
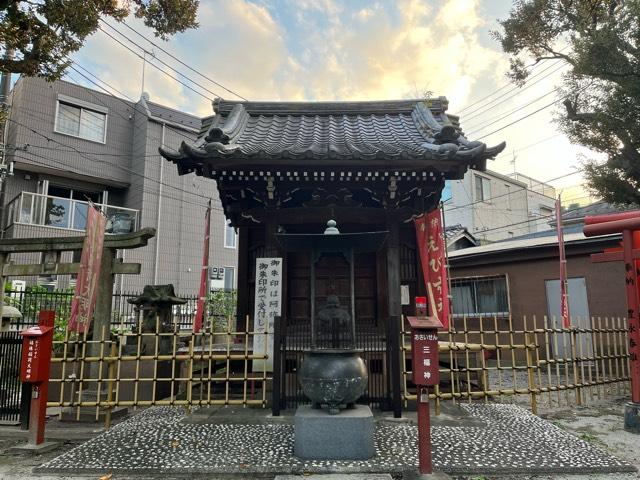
(355,50)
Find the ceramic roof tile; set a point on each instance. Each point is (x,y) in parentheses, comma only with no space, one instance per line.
(407,129)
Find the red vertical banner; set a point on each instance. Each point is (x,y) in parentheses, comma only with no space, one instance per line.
(431,246)
(84,298)
(204,275)
(564,298)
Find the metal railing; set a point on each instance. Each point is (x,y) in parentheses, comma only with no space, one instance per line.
(45,210)
(123,314)
(533,359)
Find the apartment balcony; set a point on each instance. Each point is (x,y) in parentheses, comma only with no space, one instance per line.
(55,212)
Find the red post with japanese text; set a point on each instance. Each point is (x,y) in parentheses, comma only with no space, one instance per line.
(426,372)
(37,343)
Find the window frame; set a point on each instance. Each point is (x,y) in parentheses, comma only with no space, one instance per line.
(235,236)
(475,279)
(224,279)
(82,106)
(481,180)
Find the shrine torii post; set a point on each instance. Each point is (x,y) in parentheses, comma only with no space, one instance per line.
(627,223)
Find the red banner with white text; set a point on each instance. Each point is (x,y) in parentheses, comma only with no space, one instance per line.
(431,246)
(84,298)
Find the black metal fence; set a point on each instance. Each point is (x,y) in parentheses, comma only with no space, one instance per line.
(10,385)
(295,338)
(123,314)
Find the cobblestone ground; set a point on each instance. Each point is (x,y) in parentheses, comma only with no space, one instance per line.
(587,434)
(499,439)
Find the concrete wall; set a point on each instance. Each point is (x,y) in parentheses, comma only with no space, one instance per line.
(129,166)
(510,211)
(34,108)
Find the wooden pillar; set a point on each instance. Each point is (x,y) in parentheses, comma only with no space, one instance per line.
(242,308)
(270,230)
(102,310)
(395,311)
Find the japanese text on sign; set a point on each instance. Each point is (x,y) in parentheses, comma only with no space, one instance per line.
(268,305)
(431,245)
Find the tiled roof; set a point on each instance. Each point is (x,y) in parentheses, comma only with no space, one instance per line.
(597,208)
(387,130)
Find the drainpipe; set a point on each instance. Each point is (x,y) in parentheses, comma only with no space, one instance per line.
(155,266)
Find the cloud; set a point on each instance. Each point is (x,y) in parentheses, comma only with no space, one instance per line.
(330,50)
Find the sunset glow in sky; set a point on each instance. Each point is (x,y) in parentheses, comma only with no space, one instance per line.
(357,50)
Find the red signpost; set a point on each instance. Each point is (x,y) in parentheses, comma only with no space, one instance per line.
(426,372)
(628,224)
(37,343)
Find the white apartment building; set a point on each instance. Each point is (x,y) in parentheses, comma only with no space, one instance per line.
(495,207)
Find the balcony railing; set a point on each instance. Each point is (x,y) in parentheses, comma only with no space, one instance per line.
(45,210)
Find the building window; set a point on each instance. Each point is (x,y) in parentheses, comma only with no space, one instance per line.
(480,296)
(508,195)
(230,236)
(81,122)
(483,188)
(229,278)
(545,211)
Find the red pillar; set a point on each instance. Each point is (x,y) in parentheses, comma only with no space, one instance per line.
(631,280)
(424,432)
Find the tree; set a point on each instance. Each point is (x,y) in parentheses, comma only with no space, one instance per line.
(42,33)
(600,41)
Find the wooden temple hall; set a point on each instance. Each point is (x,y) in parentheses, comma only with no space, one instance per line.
(287,168)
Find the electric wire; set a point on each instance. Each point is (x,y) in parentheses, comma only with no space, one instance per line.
(183,63)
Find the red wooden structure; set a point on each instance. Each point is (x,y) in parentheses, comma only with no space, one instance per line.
(37,343)
(424,352)
(627,223)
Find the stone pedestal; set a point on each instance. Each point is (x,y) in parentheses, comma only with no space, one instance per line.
(348,435)
(632,417)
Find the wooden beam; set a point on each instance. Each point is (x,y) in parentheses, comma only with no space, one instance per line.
(305,215)
(117,267)
(65,244)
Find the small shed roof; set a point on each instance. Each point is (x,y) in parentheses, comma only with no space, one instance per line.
(381,133)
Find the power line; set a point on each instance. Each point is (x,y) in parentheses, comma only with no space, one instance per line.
(169,127)
(527,221)
(521,118)
(457,207)
(156,58)
(133,172)
(533,144)
(181,62)
(49,161)
(536,65)
(518,90)
(480,127)
(160,69)
(76,64)
(506,85)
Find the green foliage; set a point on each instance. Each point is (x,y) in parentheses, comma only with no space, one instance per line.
(43,33)
(600,42)
(221,307)
(37,298)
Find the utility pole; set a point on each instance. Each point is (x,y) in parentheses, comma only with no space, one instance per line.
(6,168)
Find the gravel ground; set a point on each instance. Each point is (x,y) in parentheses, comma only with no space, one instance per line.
(598,423)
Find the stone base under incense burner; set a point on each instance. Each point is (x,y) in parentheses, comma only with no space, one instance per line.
(322,436)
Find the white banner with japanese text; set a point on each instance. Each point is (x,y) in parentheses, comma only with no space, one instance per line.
(268,305)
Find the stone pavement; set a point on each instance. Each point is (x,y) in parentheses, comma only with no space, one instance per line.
(474,439)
